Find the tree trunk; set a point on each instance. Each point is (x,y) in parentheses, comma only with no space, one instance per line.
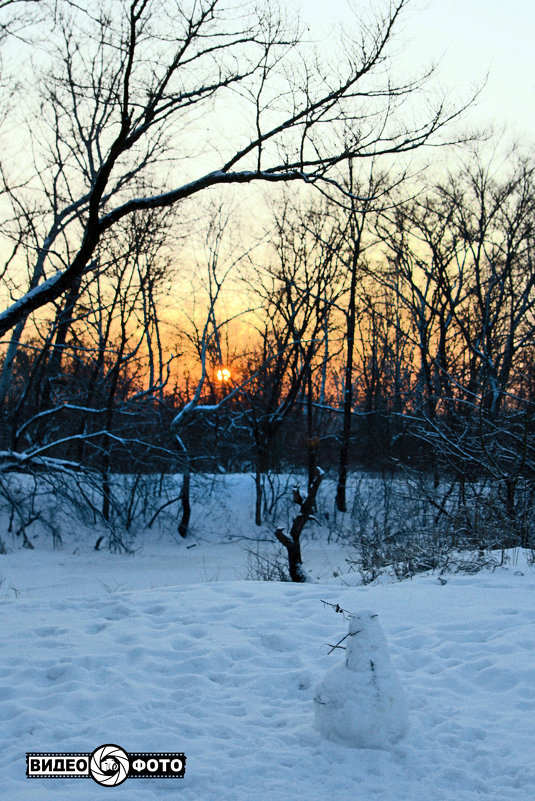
(355,237)
(186,504)
(312,440)
(292,543)
(106,489)
(348,391)
(7,367)
(259,472)
(63,324)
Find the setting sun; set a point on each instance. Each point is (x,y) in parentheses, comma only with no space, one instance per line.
(223,374)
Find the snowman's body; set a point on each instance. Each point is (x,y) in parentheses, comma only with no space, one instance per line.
(361,701)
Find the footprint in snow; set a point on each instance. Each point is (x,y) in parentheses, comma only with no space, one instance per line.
(49,631)
(156,610)
(96,628)
(275,642)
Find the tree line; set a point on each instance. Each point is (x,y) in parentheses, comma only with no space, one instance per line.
(396,334)
(388,321)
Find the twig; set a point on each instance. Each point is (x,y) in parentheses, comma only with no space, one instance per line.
(336,607)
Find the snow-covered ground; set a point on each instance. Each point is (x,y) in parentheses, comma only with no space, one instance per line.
(172,650)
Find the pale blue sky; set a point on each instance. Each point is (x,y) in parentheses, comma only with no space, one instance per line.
(469,38)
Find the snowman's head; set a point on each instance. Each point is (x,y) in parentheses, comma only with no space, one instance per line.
(366,642)
(362,620)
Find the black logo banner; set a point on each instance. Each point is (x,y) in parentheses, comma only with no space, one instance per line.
(108,765)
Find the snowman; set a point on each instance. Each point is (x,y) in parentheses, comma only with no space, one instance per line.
(360,702)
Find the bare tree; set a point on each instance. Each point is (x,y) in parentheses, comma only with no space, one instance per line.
(292,541)
(122,96)
(355,240)
(93,397)
(460,259)
(294,295)
(214,267)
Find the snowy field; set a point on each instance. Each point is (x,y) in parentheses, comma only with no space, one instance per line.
(172,650)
